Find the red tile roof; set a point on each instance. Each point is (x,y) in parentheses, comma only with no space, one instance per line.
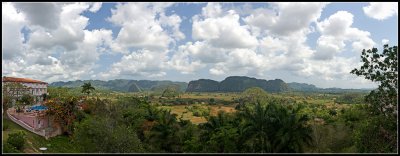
(26,80)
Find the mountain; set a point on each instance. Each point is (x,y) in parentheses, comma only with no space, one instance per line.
(203,85)
(123,85)
(303,87)
(236,84)
(229,84)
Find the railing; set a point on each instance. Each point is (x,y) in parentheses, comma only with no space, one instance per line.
(24,125)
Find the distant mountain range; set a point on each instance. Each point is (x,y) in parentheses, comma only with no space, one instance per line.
(123,85)
(236,84)
(304,87)
(229,84)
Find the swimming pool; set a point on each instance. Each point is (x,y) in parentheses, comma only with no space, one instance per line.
(39,108)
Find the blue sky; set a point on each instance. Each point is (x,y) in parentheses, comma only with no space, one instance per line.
(316,43)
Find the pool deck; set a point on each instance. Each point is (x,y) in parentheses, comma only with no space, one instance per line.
(23,117)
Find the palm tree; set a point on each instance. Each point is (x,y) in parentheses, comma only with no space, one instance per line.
(87,88)
(256,127)
(275,128)
(215,122)
(164,132)
(292,133)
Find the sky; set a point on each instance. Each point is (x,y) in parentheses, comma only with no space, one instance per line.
(315,43)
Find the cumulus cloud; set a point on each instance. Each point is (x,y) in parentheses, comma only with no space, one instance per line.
(381,10)
(222,29)
(338,68)
(41,14)
(141,28)
(12,23)
(285,18)
(61,51)
(241,61)
(336,30)
(173,22)
(183,61)
(139,63)
(224,41)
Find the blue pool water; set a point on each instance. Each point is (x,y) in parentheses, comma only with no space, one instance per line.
(39,108)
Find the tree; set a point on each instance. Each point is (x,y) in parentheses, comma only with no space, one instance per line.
(164,133)
(378,133)
(87,88)
(381,68)
(170,91)
(96,135)
(44,95)
(222,135)
(293,134)
(17,139)
(27,99)
(257,128)
(64,111)
(270,127)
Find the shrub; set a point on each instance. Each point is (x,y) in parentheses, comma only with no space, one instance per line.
(196,114)
(332,112)
(17,139)
(8,148)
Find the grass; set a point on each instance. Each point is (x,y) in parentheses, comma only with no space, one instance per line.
(58,144)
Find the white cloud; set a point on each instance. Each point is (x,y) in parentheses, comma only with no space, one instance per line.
(141,28)
(294,17)
(336,30)
(338,68)
(222,31)
(285,18)
(381,10)
(12,23)
(67,35)
(188,58)
(77,50)
(241,61)
(139,63)
(212,10)
(95,7)
(385,41)
(173,21)
(225,41)
(42,14)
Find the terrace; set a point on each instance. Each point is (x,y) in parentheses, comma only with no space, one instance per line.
(35,120)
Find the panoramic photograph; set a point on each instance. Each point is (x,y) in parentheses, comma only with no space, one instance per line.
(199,77)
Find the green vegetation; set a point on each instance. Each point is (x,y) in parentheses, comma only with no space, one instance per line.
(87,88)
(58,144)
(377,133)
(16,140)
(27,99)
(121,85)
(165,120)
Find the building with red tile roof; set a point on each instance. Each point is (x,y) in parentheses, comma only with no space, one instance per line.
(33,87)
